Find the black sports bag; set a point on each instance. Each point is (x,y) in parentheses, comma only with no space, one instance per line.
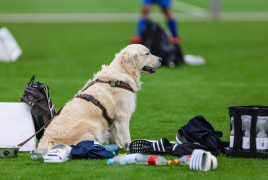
(36,95)
(156,39)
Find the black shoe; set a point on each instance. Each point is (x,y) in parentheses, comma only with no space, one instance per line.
(136,146)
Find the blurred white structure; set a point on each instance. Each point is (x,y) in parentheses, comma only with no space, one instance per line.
(16,125)
(9,48)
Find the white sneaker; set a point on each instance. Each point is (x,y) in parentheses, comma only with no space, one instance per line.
(56,155)
(193,60)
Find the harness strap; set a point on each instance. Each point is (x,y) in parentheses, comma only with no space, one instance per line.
(119,84)
(97,103)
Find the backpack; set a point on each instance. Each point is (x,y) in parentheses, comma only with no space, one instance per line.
(156,39)
(36,95)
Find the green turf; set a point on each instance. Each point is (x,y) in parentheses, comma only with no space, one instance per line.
(68,6)
(115,6)
(232,5)
(65,56)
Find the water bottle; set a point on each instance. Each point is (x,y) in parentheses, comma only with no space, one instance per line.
(38,153)
(152,160)
(246,120)
(111,148)
(123,159)
(184,160)
(232,133)
(261,139)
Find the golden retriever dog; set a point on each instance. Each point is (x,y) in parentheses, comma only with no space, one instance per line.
(81,120)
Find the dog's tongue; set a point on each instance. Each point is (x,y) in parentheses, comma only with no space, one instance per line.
(146,68)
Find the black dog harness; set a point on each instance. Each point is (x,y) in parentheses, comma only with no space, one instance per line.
(88,97)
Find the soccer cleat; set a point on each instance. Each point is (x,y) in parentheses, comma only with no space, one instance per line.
(135,40)
(175,40)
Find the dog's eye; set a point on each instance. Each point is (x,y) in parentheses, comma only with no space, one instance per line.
(147,53)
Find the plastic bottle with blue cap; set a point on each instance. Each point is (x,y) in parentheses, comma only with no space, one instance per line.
(124,159)
(111,148)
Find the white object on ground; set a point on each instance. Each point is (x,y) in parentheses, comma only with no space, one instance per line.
(194,60)
(9,48)
(16,125)
(202,161)
(56,155)
(38,153)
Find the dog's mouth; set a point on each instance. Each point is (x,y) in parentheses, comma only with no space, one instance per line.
(149,69)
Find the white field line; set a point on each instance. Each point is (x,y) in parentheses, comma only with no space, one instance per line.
(190,9)
(244,16)
(184,7)
(123,17)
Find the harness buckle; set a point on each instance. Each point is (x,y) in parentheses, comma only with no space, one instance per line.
(88,97)
(112,83)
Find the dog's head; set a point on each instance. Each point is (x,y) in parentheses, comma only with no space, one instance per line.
(136,58)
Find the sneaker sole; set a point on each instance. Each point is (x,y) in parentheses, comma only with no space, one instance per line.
(136,146)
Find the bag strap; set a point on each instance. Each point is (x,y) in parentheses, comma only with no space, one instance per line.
(24,142)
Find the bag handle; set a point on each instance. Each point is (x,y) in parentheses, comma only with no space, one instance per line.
(24,142)
(32,80)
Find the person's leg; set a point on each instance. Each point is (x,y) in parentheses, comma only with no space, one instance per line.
(172,24)
(145,12)
(171,21)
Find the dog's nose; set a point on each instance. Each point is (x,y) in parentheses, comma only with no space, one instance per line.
(160,59)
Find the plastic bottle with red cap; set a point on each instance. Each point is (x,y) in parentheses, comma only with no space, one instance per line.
(184,160)
(152,160)
(139,159)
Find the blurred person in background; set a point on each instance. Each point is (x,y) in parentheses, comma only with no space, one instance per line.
(165,6)
(145,13)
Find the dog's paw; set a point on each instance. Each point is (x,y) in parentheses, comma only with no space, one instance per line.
(126,146)
(119,146)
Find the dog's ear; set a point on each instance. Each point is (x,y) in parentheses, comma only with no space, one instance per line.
(130,61)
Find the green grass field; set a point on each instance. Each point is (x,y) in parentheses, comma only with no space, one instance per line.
(115,6)
(65,55)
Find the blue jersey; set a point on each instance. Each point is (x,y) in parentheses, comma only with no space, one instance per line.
(162,3)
